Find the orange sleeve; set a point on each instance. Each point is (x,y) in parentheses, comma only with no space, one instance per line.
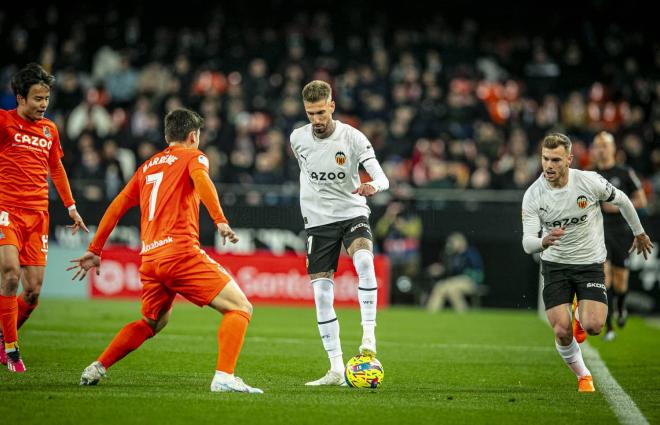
(61,183)
(122,203)
(207,193)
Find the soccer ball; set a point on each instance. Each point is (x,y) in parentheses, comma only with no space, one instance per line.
(364,372)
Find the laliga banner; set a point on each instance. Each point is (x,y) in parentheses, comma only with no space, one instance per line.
(264,277)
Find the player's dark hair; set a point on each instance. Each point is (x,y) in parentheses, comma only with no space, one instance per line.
(30,75)
(317,90)
(555,140)
(180,122)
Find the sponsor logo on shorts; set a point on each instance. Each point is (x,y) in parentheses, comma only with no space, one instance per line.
(155,244)
(582,201)
(596,285)
(357,226)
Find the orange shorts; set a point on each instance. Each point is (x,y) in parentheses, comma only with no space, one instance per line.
(197,277)
(27,230)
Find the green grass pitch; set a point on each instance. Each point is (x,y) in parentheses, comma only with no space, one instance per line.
(484,367)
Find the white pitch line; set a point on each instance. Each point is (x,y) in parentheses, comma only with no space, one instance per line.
(623,406)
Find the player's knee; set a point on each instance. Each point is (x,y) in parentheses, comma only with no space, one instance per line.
(563,333)
(157,325)
(10,277)
(245,306)
(592,327)
(31,296)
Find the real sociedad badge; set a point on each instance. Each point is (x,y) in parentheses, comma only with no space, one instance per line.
(47,133)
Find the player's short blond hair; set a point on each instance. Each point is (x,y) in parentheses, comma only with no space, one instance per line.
(554,140)
(316,91)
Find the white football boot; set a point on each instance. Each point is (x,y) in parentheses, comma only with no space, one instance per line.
(368,347)
(92,374)
(232,384)
(330,378)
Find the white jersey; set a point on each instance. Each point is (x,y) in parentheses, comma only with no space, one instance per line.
(575,206)
(329,173)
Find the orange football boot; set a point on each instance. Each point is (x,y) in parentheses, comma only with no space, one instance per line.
(586,384)
(578,331)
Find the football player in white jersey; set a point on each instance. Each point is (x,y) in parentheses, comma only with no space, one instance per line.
(335,212)
(562,219)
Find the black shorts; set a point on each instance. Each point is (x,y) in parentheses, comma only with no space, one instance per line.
(562,281)
(324,242)
(618,242)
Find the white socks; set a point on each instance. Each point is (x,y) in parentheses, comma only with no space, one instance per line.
(363,260)
(326,317)
(221,376)
(572,355)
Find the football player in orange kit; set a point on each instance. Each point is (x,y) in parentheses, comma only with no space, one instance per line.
(168,188)
(29,150)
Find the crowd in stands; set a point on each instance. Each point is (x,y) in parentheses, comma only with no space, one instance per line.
(446,103)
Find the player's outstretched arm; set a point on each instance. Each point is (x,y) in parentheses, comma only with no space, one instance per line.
(61,183)
(641,245)
(209,197)
(227,233)
(84,264)
(78,222)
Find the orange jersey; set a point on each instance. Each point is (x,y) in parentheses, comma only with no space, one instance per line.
(169,205)
(27,151)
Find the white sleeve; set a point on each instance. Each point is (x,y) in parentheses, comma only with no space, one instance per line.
(293,146)
(378,178)
(621,200)
(531,226)
(363,147)
(600,187)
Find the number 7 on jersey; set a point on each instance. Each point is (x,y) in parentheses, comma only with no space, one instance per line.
(154,179)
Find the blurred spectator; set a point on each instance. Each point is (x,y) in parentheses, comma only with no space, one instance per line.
(399,231)
(92,172)
(122,83)
(458,274)
(114,174)
(90,115)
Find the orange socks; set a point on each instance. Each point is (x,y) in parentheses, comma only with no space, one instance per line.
(230,339)
(8,312)
(24,310)
(127,339)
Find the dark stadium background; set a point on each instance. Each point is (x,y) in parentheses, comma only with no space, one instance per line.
(434,121)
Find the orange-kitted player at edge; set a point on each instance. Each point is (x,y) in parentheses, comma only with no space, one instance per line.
(168,188)
(29,150)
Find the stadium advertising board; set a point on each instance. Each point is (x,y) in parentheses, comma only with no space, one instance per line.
(264,277)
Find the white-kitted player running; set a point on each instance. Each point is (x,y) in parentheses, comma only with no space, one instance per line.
(335,211)
(562,219)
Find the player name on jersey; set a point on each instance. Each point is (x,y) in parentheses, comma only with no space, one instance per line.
(165,159)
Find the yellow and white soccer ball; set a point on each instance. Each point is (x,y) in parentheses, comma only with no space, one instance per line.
(364,372)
